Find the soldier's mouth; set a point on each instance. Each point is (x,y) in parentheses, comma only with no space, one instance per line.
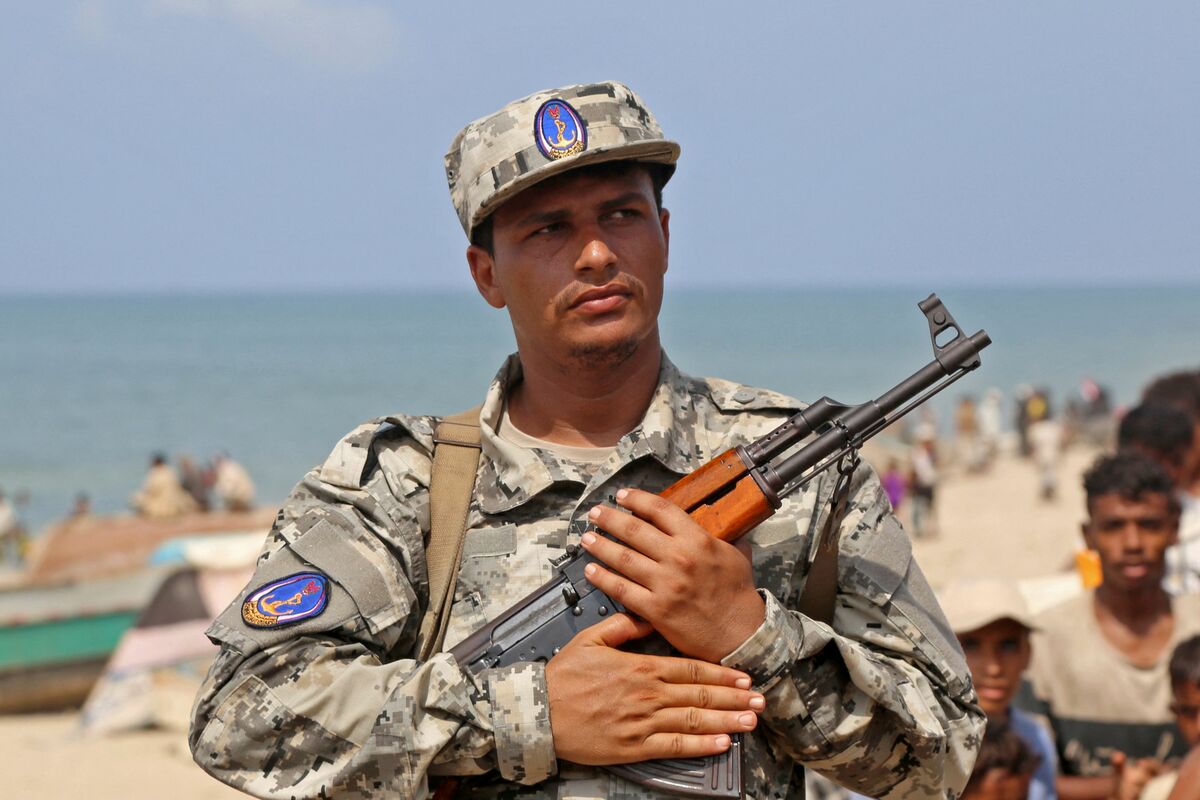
(602,300)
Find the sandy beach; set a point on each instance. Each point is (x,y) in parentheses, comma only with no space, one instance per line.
(988,524)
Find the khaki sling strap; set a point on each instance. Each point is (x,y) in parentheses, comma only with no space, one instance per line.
(456,452)
(819,596)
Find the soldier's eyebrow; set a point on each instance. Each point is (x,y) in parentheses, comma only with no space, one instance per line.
(628,198)
(542,217)
(539,218)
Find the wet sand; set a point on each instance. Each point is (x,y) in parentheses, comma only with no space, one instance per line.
(988,524)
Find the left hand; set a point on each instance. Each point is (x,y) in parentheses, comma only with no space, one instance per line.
(696,590)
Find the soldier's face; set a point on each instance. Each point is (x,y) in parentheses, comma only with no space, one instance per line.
(578,261)
(1131,537)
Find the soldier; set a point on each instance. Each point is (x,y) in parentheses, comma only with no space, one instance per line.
(318,691)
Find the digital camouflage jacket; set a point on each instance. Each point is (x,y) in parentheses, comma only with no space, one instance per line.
(336,706)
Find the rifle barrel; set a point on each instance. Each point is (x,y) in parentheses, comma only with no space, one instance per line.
(858,422)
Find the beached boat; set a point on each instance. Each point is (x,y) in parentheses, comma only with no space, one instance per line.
(55,640)
(86,584)
(95,546)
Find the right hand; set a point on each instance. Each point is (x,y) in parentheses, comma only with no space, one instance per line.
(608,706)
(1130,777)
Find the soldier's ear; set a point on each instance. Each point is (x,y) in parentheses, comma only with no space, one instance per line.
(483,271)
(664,220)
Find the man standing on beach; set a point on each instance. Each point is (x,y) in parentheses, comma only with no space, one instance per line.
(1181,391)
(1164,434)
(1099,669)
(318,692)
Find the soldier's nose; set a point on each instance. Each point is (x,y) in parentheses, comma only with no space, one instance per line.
(595,255)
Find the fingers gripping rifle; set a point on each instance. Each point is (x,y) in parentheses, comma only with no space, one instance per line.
(728,496)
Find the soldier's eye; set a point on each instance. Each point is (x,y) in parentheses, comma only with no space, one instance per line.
(553,227)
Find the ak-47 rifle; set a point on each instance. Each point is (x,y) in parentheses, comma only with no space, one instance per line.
(728,496)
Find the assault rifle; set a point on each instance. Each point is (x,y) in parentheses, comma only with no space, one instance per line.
(728,496)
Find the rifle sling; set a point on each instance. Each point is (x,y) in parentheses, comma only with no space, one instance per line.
(456,452)
(819,595)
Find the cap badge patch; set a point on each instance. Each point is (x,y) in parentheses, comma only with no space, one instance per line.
(558,130)
(287,600)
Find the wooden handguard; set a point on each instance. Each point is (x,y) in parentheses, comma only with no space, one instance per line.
(695,488)
(734,511)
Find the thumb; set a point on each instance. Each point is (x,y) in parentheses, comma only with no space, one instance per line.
(616,631)
(1119,760)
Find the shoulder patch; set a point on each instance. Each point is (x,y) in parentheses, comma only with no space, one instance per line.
(285,601)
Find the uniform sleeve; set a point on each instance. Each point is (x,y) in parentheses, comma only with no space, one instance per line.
(881,701)
(335,706)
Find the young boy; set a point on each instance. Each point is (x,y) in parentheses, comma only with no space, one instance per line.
(992,624)
(1185,705)
(1004,769)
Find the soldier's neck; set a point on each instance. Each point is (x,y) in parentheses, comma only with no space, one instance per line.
(582,405)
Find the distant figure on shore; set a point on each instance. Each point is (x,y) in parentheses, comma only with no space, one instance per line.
(1045,444)
(232,484)
(894,483)
(923,484)
(81,508)
(1163,434)
(12,533)
(966,435)
(195,480)
(162,496)
(991,425)
(1094,414)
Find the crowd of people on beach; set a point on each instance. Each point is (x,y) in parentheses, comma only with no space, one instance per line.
(978,437)
(166,492)
(190,488)
(1097,696)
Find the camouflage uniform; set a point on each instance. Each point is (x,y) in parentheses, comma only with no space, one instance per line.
(336,705)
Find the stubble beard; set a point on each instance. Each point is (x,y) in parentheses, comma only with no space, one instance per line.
(595,356)
(591,356)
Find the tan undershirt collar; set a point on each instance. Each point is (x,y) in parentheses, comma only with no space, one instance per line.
(580,455)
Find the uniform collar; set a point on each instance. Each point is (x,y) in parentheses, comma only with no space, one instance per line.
(668,433)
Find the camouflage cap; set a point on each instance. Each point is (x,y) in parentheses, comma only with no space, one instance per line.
(545,134)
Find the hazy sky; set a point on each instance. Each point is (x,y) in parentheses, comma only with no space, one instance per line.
(227,145)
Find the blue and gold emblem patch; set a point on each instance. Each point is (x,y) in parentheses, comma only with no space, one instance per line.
(558,130)
(287,600)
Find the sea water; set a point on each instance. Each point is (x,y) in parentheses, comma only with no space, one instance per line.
(90,387)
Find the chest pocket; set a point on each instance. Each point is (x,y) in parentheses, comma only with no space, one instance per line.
(500,565)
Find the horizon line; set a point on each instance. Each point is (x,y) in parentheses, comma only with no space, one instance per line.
(432,290)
